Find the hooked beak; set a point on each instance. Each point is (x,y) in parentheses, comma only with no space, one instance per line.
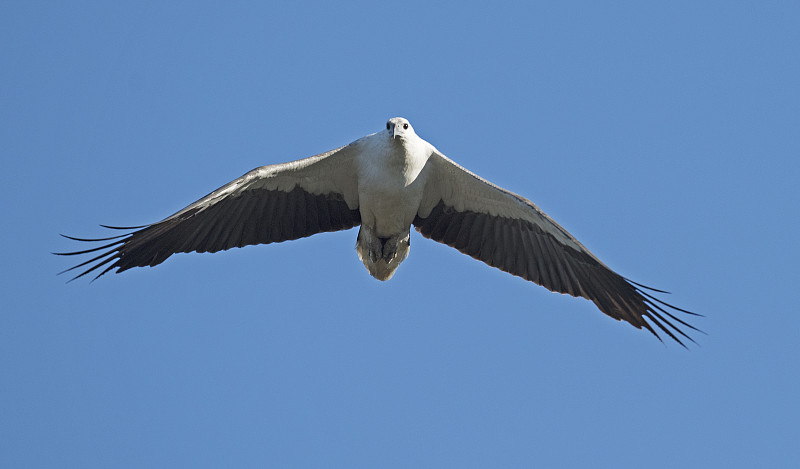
(396,131)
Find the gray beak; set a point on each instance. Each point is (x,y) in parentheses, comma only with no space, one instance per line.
(396,130)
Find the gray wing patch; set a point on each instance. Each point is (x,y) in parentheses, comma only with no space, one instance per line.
(251,217)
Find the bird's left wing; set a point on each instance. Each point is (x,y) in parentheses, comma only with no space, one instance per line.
(267,205)
(511,233)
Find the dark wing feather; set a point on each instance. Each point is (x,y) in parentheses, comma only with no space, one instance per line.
(267,205)
(510,233)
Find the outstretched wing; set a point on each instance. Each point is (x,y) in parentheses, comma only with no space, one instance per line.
(269,204)
(509,232)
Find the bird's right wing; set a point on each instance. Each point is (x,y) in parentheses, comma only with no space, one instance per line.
(267,205)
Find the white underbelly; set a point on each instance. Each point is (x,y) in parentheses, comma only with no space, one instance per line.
(389,211)
(390,187)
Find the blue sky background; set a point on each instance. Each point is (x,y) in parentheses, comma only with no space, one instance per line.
(663,135)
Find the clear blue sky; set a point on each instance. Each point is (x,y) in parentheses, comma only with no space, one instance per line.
(663,136)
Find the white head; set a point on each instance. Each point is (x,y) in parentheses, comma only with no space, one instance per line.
(399,127)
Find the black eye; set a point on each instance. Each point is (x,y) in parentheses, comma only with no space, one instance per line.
(387,126)
(405,126)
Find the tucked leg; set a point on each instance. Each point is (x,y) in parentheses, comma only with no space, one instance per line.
(382,256)
(395,244)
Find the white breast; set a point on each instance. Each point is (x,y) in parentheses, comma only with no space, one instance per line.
(389,183)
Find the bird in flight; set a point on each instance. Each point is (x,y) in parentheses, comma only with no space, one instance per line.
(384,183)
